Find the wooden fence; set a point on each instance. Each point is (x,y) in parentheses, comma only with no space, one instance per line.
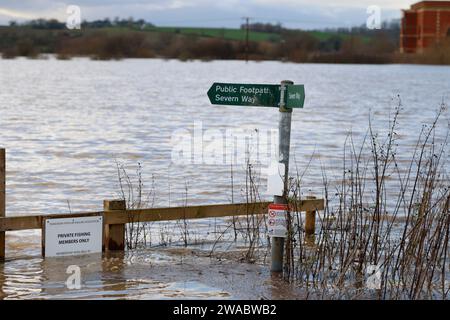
(116,216)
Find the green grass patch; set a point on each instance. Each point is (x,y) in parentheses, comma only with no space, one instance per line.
(223,33)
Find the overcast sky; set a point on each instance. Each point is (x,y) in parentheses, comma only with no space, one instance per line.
(219,13)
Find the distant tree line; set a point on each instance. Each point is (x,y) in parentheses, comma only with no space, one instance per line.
(117,22)
(264,27)
(53,24)
(40,24)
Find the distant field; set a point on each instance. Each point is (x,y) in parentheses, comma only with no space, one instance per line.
(222,33)
(228,34)
(239,34)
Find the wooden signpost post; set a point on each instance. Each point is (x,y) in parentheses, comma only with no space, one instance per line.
(285,96)
(2,200)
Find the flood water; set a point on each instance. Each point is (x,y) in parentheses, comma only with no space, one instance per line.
(66,125)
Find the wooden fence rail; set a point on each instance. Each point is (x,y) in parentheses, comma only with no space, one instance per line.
(115,219)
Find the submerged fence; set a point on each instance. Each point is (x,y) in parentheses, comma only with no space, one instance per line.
(116,216)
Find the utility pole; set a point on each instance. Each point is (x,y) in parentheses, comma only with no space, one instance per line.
(247,28)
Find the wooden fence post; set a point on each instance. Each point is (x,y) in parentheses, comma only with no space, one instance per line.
(310,220)
(114,234)
(2,200)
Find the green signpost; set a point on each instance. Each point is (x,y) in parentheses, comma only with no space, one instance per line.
(257,95)
(285,96)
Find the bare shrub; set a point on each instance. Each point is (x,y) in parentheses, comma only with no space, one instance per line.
(132,190)
(373,243)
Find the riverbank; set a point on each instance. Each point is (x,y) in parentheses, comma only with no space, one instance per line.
(115,43)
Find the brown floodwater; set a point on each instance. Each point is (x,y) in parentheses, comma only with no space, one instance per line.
(65,123)
(154,273)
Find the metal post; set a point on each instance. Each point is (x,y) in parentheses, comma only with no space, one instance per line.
(284,146)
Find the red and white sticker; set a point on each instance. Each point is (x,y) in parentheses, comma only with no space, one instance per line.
(277,220)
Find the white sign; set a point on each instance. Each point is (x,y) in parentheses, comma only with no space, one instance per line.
(276,220)
(275,179)
(73,236)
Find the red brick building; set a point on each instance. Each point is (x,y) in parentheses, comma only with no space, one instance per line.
(425,24)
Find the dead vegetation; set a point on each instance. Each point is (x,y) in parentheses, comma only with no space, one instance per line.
(358,252)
